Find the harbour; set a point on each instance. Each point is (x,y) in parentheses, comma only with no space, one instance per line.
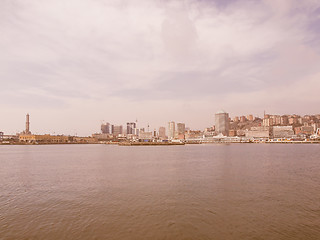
(198,191)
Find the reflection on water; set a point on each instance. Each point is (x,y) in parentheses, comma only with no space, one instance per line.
(237,191)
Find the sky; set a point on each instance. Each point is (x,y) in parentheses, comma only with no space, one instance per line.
(72,64)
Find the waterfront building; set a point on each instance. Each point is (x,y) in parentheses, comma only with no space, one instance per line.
(171,130)
(131,126)
(145,135)
(85,140)
(207,134)
(306,130)
(102,136)
(180,136)
(282,132)
(258,132)
(106,128)
(47,138)
(222,123)
(236,119)
(162,132)
(190,134)
(10,138)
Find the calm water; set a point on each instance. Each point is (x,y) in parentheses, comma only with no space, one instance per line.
(239,191)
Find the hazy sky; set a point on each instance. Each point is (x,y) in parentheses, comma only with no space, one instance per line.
(73,63)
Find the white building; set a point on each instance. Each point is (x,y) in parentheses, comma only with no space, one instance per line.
(171,130)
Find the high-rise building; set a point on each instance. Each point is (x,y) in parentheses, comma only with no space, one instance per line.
(181,128)
(171,130)
(162,132)
(105,128)
(222,123)
(116,130)
(131,127)
(136,131)
(180,133)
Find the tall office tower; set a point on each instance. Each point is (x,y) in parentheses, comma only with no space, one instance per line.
(162,132)
(171,130)
(105,128)
(130,127)
(181,128)
(27,125)
(136,131)
(116,130)
(222,123)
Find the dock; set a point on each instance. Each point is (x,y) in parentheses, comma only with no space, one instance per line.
(150,143)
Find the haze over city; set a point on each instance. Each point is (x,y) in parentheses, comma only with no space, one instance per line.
(72,64)
(160,119)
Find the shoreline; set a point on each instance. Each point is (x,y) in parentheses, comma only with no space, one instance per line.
(35,144)
(164,143)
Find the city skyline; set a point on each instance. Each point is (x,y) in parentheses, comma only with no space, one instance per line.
(245,129)
(72,65)
(220,125)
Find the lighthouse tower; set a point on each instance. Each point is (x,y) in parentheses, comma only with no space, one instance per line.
(27,125)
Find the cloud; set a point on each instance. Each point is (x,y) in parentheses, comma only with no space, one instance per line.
(61,54)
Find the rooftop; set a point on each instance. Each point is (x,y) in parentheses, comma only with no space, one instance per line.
(221,111)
